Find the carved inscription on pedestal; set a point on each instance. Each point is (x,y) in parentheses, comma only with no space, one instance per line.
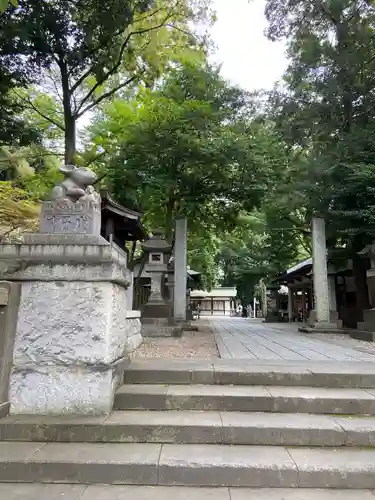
(64,216)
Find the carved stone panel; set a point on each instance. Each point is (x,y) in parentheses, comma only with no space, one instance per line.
(67,217)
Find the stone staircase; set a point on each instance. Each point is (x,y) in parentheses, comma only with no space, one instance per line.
(228,430)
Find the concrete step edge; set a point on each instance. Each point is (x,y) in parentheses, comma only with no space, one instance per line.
(188,465)
(192,427)
(249,398)
(39,491)
(240,372)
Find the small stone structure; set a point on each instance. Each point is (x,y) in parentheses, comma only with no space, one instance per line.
(157,313)
(272,301)
(75,328)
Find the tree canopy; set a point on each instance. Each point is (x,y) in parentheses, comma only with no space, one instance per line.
(327,109)
(187,147)
(91,49)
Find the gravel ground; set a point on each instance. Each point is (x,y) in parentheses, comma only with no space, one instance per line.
(344,340)
(200,345)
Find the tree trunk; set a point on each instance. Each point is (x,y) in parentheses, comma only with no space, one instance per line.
(70,140)
(69,118)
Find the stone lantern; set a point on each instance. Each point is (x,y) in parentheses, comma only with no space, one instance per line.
(157,253)
(272,299)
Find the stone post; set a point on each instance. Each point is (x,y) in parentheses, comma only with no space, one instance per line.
(290,304)
(180,269)
(321,315)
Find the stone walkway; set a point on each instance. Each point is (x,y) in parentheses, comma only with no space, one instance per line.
(253,339)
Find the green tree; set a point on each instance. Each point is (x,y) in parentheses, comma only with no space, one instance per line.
(94,49)
(4,4)
(188,147)
(328,109)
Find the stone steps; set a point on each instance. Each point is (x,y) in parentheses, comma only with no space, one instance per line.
(249,372)
(192,427)
(304,430)
(245,398)
(13,491)
(187,465)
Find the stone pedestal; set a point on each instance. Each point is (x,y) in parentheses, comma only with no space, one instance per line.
(321,317)
(75,328)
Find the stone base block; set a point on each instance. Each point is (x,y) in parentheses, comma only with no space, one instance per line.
(157,310)
(362,335)
(60,390)
(368,323)
(321,327)
(333,318)
(156,330)
(74,329)
(272,317)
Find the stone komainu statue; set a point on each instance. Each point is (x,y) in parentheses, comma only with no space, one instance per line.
(77,185)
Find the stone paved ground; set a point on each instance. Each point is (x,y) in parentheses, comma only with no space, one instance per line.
(253,339)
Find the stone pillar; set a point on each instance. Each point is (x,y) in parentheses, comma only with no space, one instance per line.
(73,332)
(321,315)
(180,269)
(290,304)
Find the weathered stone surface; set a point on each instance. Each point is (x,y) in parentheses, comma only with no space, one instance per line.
(139,397)
(299,494)
(260,372)
(13,491)
(158,371)
(215,465)
(281,429)
(334,468)
(153,493)
(218,398)
(246,398)
(68,217)
(321,400)
(165,427)
(67,323)
(245,374)
(18,451)
(359,431)
(200,427)
(72,325)
(84,463)
(59,390)
(16,491)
